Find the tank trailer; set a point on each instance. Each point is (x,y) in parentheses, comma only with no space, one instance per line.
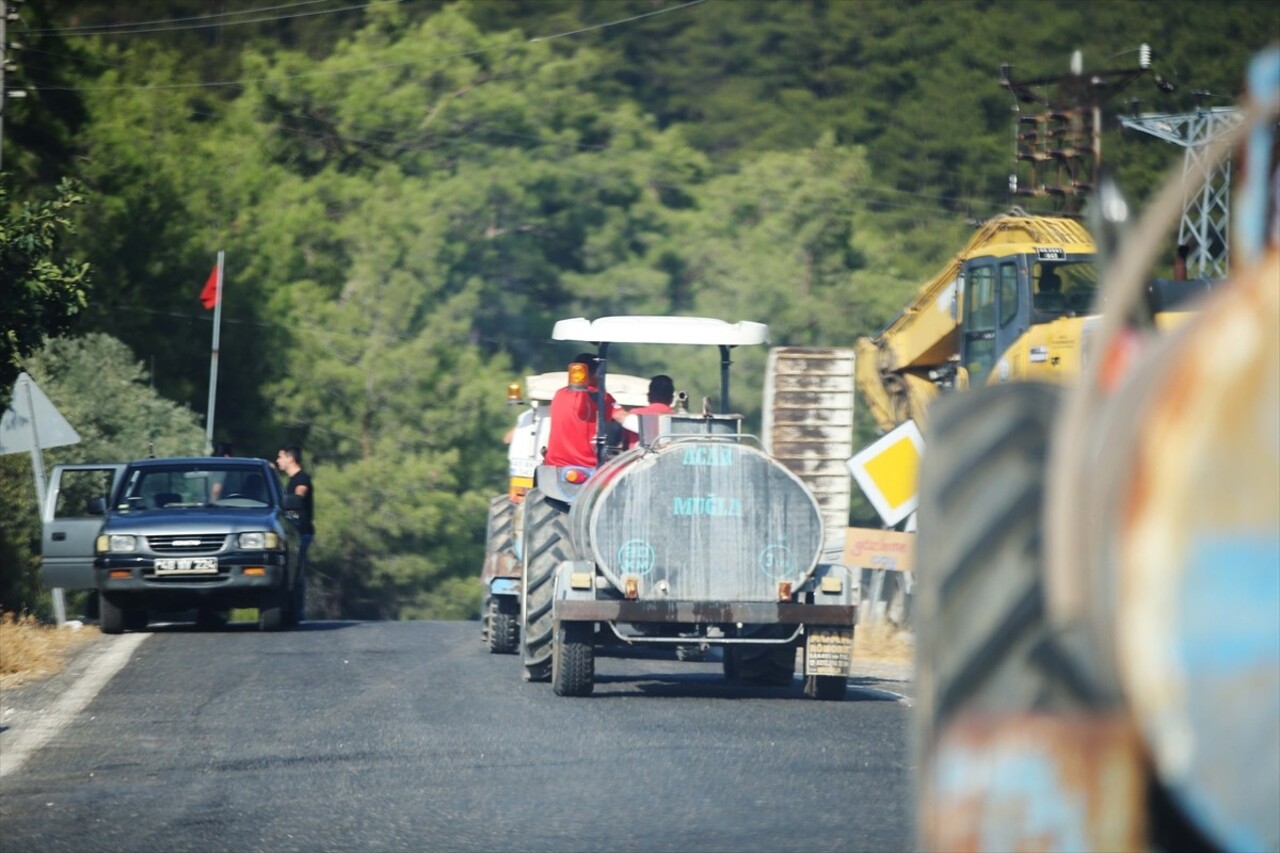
(694,537)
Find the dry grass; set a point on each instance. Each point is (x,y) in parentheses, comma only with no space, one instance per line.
(882,641)
(30,650)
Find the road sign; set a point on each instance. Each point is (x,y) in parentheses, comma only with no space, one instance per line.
(31,421)
(886,470)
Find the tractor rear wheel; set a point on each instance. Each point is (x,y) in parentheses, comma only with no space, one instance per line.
(499,539)
(546,545)
(573,660)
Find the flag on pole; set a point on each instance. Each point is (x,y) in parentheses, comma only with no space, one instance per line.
(209,296)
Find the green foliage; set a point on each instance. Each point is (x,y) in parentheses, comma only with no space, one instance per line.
(408,195)
(42,290)
(105,394)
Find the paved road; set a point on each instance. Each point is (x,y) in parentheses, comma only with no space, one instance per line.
(407,736)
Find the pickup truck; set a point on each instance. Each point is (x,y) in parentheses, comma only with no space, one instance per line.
(168,535)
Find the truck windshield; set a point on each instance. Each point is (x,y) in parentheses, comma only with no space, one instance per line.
(189,486)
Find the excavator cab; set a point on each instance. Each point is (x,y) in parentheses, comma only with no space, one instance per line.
(1005,296)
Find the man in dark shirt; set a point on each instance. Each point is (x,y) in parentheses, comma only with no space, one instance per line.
(289,461)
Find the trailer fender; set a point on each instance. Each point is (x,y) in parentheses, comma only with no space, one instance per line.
(575,581)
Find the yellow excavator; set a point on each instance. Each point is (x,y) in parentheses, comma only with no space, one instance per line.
(1014,304)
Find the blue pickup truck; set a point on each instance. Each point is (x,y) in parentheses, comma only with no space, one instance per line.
(168,535)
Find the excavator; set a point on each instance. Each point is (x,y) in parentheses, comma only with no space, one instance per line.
(1015,304)
(1012,304)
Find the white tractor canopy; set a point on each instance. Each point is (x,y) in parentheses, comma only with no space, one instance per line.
(641,329)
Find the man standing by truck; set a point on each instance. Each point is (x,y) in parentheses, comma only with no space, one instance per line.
(289,462)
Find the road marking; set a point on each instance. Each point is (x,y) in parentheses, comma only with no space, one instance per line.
(105,664)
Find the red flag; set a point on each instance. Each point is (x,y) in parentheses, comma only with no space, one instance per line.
(209,296)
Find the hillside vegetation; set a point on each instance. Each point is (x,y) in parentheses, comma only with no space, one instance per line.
(410,193)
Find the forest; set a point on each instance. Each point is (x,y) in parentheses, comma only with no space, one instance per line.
(409,193)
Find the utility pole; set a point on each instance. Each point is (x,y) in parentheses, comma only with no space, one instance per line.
(1058,148)
(8,13)
(1206,216)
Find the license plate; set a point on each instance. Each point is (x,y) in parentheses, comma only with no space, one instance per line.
(187,566)
(828,651)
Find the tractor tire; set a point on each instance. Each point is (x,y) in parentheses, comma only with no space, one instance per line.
(502,615)
(546,545)
(500,533)
(573,659)
(983,641)
(499,538)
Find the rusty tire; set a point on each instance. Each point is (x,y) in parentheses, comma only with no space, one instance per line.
(983,642)
(546,544)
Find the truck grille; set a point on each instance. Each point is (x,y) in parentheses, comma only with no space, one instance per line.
(193,543)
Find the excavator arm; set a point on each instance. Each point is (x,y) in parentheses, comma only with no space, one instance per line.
(917,356)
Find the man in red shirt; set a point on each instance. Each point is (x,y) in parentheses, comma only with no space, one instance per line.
(573,419)
(661,392)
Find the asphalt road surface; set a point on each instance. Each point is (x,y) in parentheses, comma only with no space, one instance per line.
(409,736)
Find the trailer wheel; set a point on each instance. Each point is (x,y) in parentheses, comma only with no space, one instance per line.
(983,641)
(770,665)
(573,660)
(546,545)
(828,688)
(503,618)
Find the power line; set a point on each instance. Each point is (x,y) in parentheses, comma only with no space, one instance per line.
(65,30)
(595,27)
(139,29)
(377,67)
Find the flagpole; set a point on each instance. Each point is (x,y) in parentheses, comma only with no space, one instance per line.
(213,363)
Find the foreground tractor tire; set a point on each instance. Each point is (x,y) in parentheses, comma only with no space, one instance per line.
(573,660)
(546,545)
(983,641)
(502,615)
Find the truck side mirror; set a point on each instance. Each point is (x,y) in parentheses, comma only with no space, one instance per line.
(97,506)
(294,503)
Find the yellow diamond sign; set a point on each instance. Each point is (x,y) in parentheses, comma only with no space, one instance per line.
(886,471)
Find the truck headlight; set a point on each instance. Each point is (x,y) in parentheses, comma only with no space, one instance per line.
(122,543)
(260,541)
